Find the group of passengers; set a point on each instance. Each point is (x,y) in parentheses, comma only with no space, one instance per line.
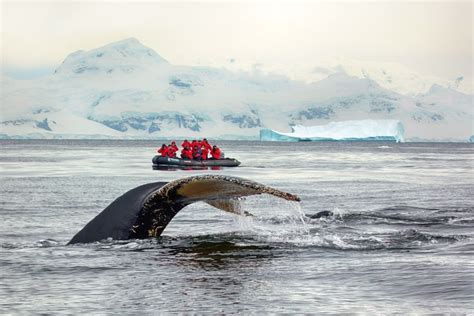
(195,150)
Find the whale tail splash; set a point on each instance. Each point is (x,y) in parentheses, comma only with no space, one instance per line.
(145,211)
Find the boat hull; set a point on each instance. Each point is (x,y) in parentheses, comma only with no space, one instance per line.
(168,161)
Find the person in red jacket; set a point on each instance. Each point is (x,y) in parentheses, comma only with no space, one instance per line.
(187,153)
(163,151)
(186,143)
(173,144)
(172,150)
(206,144)
(216,152)
(194,143)
(205,152)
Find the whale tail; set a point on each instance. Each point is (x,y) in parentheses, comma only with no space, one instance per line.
(145,211)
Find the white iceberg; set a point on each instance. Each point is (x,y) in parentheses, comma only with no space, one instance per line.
(363,130)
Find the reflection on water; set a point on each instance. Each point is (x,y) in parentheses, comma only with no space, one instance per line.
(189,168)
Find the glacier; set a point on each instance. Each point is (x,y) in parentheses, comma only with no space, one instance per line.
(361,130)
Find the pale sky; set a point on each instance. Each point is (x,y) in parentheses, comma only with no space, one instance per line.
(432,37)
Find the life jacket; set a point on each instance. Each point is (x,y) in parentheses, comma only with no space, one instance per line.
(216,154)
(163,151)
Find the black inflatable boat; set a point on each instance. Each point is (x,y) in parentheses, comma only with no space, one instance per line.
(167,161)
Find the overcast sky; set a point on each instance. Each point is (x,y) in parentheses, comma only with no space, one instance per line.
(432,37)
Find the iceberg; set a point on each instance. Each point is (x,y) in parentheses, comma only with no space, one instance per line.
(471,139)
(362,130)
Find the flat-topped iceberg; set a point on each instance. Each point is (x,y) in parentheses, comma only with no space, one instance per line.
(363,130)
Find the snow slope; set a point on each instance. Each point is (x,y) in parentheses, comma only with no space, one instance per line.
(126,90)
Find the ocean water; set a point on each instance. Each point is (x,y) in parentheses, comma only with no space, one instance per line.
(400,238)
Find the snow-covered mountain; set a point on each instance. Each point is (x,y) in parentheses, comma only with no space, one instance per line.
(126,90)
(390,75)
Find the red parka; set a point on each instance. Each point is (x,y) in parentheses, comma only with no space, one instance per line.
(186,143)
(207,145)
(163,150)
(216,153)
(171,152)
(187,153)
(173,145)
(205,152)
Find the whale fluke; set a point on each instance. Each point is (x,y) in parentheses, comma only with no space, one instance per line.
(145,211)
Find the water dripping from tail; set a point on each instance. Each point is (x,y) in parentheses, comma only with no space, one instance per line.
(283,222)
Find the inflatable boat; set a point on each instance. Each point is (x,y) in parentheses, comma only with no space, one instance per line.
(178,162)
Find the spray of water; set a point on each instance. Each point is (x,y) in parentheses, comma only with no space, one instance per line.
(281,222)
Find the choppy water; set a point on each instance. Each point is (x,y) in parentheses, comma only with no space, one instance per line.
(400,239)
